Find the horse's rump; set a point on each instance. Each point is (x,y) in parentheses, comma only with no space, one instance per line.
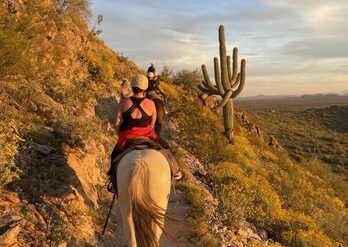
(143,180)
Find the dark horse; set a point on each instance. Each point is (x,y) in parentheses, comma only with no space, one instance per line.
(158,98)
(160,108)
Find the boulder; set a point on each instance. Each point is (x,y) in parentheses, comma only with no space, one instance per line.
(212,101)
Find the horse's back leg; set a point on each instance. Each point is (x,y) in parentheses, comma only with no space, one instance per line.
(126,210)
(160,189)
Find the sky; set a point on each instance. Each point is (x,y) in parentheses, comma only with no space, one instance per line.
(291,46)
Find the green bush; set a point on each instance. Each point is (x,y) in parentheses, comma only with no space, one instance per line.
(187,78)
(14,58)
(166,74)
(9,143)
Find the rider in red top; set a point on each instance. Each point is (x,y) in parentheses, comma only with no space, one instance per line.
(135,116)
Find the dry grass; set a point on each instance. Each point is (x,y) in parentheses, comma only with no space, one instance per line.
(296,205)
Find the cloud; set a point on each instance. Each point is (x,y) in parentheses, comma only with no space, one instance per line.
(321,47)
(283,41)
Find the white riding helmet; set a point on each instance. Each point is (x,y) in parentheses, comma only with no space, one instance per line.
(140,81)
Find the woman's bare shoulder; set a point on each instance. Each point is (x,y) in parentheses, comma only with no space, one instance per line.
(125,102)
(149,102)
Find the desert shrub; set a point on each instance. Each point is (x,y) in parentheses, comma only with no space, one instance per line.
(324,171)
(297,229)
(304,192)
(187,78)
(13,51)
(67,119)
(99,63)
(9,143)
(166,74)
(94,69)
(201,128)
(244,194)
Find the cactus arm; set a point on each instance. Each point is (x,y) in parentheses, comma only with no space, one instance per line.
(242,79)
(207,90)
(233,78)
(235,83)
(223,59)
(202,86)
(217,76)
(207,81)
(229,68)
(206,77)
(224,101)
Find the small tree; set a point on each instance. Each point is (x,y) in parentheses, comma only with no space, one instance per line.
(167,73)
(187,78)
(95,30)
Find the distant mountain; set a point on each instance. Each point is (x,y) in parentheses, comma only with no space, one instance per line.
(291,102)
(344,93)
(294,97)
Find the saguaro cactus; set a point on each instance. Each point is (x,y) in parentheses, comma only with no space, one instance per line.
(229,83)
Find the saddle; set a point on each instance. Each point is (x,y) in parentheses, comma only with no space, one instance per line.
(139,144)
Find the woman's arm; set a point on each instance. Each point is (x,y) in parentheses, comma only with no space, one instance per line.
(118,119)
(154,114)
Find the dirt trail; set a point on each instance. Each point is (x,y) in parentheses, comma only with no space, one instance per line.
(177,233)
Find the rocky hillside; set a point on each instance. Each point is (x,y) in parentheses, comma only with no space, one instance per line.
(58,89)
(59,86)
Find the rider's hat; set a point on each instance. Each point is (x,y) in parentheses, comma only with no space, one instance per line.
(140,81)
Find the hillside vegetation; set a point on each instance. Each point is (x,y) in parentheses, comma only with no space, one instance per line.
(297,204)
(310,134)
(58,91)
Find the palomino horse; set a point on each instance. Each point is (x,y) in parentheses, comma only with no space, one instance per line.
(143,181)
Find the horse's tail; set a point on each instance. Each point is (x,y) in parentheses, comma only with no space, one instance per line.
(145,212)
